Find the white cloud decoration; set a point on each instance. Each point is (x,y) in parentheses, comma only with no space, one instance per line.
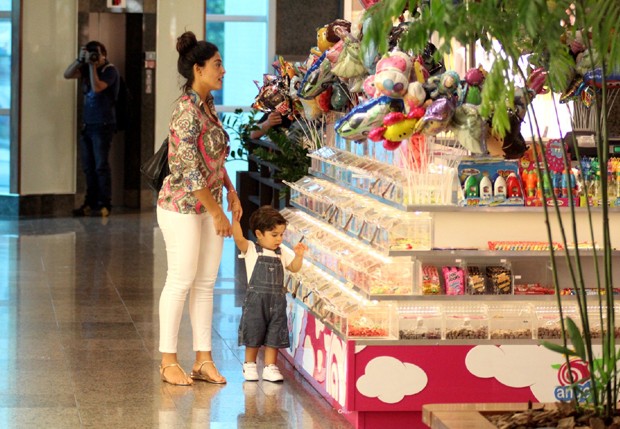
(390,380)
(517,366)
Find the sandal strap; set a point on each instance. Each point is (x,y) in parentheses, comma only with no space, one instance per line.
(203,363)
(162,368)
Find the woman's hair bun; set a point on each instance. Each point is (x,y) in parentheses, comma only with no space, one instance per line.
(186,42)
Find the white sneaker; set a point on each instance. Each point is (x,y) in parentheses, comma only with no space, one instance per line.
(249,371)
(272,373)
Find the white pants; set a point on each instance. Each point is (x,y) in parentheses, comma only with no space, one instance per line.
(194,252)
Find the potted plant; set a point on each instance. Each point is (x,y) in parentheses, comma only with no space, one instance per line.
(567,42)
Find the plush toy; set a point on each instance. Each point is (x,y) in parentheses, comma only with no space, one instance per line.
(396,128)
(392,74)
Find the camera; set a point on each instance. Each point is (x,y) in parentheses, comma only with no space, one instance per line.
(93,56)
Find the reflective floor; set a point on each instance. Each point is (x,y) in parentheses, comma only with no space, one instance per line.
(79,332)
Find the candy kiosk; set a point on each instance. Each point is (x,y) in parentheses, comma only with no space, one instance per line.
(400,305)
(428,277)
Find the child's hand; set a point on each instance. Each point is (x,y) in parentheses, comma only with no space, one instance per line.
(299,249)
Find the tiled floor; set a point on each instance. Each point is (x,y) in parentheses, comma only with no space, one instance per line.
(79,331)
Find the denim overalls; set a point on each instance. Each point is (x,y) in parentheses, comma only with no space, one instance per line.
(263,320)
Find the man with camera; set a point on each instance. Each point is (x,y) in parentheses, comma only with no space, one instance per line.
(100,86)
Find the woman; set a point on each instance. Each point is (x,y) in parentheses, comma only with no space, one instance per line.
(190,213)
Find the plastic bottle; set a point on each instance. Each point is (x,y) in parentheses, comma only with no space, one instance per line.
(486,187)
(531,183)
(471,187)
(499,188)
(513,189)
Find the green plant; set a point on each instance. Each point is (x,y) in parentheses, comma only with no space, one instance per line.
(536,28)
(291,160)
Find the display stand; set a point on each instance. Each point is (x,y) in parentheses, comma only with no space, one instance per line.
(360,293)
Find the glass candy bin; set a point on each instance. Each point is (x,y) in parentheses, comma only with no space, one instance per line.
(466,322)
(392,277)
(373,319)
(511,322)
(548,324)
(421,322)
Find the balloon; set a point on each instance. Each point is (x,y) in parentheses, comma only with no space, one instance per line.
(356,124)
(349,63)
(368,3)
(415,96)
(339,97)
(397,127)
(444,85)
(273,96)
(317,79)
(392,74)
(469,128)
(321,40)
(311,110)
(595,78)
(437,117)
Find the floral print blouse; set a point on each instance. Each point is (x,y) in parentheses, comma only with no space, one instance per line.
(198,148)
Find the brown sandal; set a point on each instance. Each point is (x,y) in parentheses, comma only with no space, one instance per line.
(162,368)
(198,375)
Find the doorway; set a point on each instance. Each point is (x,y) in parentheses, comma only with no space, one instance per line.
(122,35)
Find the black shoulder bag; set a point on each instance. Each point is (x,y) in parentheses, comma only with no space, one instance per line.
(155,169)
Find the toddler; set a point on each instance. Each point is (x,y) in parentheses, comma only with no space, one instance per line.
(263,318)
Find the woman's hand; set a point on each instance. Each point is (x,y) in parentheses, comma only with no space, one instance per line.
(234,206)
(222,224)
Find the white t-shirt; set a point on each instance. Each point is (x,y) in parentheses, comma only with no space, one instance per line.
(251,256)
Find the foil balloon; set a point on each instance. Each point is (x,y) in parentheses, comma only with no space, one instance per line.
(469,128)
(447,84)
(368,3)
(595,78)
(339,97)
(536,81)
(321,39)
(415,96)
(437,117)
(311,109)
(273,96)
(364,117)
(317,79)
(392,74)
(369,86)
(396,128)
(349,63)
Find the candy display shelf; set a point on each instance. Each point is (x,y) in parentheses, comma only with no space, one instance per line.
(377,335)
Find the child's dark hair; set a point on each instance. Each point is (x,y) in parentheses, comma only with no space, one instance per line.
(266,218)
(191,51)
